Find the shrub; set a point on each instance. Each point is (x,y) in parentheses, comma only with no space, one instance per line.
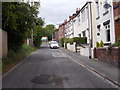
(83,40)
(71,41)
(62,42)
(16,56)
(101,44)
(37,42)
(76,39)
(80,40)
(97,44)
(66,40)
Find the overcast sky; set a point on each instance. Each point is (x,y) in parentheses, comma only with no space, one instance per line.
(56,11)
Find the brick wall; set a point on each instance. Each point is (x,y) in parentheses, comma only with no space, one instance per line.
(56,36)
(111,56)
(116,6)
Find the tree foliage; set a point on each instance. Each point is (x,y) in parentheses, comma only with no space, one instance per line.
(18,19)
(49,30)
(39,32)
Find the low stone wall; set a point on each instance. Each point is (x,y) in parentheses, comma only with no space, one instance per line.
(111,55)
(84,51)
(71,47)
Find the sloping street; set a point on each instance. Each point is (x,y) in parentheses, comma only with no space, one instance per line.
(52,68)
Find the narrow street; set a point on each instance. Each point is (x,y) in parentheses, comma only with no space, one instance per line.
(52,68)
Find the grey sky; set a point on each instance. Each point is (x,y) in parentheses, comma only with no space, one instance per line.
(56,11)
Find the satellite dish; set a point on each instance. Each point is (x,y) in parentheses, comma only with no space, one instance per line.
(107,6)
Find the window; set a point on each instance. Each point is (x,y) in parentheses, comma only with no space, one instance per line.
(98,27)
(79,35)
(84,33)
(108,35)
(107,27)
(83,15)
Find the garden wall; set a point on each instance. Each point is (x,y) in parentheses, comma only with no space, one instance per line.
(71,47)
(111,55)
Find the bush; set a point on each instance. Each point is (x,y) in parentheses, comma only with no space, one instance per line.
(80,40)
(71,41)
(62,42)
(76,39)
(101,44)
(37,42)
(66,40)
(16,56)
(97,44)
(116,44)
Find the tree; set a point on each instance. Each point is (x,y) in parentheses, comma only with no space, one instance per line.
(39,32)
(49,29)
(18,19)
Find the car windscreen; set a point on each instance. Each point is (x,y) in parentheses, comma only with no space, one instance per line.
(53,42)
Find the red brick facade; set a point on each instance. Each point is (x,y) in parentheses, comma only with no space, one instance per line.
(56,36)
(61,31)
(116,7)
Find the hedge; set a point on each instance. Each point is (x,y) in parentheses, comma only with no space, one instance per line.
(78,40)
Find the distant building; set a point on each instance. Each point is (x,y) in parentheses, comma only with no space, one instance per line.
(56,35)
(116,8)
(76,22)
(61,33)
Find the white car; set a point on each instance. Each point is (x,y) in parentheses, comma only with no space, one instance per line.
(53,44)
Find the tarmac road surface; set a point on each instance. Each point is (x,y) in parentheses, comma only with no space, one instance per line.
(52,68)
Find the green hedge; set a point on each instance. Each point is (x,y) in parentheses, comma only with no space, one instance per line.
(78,40)
(62,42)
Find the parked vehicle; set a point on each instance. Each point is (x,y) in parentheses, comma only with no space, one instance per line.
(53,44)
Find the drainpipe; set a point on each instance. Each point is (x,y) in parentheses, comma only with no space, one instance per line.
(89,28)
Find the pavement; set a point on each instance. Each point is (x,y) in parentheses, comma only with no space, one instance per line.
(105,70)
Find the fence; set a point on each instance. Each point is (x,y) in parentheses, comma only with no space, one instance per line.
(3,44)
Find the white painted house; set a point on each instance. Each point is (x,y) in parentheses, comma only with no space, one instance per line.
(94,21)
(85,26)
(69,30)
(76,23)
(105,21)
(86,23)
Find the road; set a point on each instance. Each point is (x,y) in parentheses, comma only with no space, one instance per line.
(52,68)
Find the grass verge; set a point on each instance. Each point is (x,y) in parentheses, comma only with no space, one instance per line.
(14,57)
